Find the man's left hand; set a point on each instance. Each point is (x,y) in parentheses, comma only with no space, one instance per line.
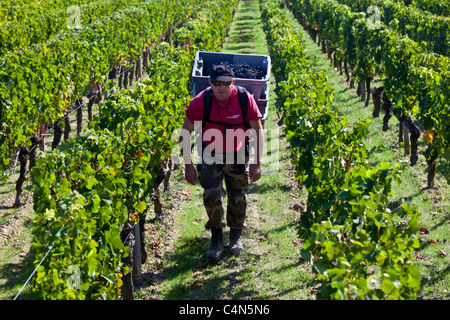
(255,172)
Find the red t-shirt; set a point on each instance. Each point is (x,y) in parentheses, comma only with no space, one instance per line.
(228,111)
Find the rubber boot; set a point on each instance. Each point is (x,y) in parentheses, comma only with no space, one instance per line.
(236,246)
(216,249)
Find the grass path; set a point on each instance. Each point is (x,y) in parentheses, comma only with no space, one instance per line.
(270,266)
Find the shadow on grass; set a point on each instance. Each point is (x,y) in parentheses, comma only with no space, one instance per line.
(191,276)
(16,274)
(266,187)
(435,277)
(196,277)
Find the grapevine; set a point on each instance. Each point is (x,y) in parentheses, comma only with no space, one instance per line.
(414,78)
(99,185)
(347,228)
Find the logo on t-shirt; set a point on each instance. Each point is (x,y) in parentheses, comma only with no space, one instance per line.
(233,117)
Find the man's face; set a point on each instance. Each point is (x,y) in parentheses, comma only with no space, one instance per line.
(221,90)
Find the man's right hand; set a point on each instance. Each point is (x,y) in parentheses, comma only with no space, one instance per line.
(190,174)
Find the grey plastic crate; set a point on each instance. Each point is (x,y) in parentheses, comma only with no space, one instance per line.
(259,88)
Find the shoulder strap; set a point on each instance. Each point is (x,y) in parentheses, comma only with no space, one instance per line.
(242,96)
(207,105)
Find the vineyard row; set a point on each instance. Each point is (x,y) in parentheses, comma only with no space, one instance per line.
(415,82)
(21,10)
(430,30)
(39,84)
(19,35)
(437,7)
(359,249)
(92,192)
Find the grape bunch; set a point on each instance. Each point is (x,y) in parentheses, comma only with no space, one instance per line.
(241,70)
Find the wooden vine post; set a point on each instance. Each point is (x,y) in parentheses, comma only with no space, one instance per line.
(137,252)
(431,161)
(23,160)
(377,102)
(37,141)
(79,105)
(66,127)
(128,239)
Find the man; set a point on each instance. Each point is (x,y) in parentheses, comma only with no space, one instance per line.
(224,135)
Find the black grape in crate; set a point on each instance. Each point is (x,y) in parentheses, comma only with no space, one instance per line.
(251,71)
(241,70)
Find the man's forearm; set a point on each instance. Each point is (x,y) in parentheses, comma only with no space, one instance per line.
(258,134)
(259,145)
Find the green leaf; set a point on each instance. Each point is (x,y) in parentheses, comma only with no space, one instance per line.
(91,182)
(92,264)
(96,203)
(387,286)
(113,239)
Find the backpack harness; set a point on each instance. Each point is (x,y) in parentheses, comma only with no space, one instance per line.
(242,96)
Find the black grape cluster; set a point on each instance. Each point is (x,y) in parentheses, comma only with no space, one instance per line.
(242,70)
